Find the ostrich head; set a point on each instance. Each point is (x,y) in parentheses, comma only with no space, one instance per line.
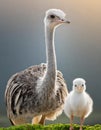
(79,85)
(55,17)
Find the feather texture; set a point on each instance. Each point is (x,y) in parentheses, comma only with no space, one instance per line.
(22,94)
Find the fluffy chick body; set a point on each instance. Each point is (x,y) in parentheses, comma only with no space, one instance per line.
(78,102)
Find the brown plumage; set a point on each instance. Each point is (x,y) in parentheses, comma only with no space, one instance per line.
(22,96)
(38,92)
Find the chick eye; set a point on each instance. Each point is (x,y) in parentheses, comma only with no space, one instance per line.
(82,85)
(75,85)
(52,16)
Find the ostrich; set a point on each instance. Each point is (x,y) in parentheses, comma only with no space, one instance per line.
(78,103)
(39,91)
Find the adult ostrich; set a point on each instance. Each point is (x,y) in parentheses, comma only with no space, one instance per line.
(39,91)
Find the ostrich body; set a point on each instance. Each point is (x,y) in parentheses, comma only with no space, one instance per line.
(39,91)
(78,103)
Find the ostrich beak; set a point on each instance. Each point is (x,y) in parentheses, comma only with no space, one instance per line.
(65,21)
(68,22)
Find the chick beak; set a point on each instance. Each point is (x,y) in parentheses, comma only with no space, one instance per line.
(80,89)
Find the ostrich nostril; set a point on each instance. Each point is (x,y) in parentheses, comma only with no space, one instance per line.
(65,21)
(62,19)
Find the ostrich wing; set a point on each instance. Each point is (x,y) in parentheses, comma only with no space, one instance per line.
(21,93)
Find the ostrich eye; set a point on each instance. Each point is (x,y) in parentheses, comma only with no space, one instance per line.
(52,16)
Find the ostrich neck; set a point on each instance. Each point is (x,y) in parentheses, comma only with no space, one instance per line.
(50,51)
(50,75)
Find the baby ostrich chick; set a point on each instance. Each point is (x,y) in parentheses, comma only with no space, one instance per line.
(78,103)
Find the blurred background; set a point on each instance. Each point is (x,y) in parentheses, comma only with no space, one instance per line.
(78,45)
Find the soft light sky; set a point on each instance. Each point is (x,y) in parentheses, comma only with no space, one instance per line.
(78,45)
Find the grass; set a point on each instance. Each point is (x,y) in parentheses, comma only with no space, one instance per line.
(51,127)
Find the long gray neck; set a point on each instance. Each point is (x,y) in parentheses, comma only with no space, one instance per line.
(50,51)
(50,75)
